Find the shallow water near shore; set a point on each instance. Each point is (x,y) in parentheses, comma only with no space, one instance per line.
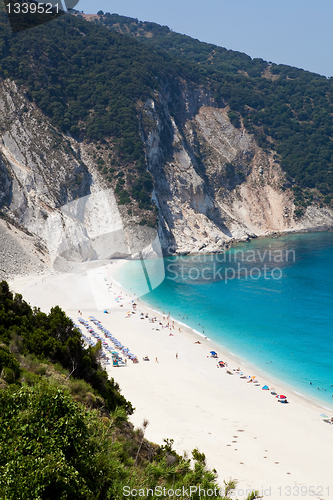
(269,302)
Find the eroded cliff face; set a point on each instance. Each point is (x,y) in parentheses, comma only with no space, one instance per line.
(43,171)
(42,175)
(57,211)
(213,184)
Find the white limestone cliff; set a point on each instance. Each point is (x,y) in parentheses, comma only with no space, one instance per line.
(202,205)
(213,185)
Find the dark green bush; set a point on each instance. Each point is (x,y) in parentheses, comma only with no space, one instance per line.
(53,336)
(9,366)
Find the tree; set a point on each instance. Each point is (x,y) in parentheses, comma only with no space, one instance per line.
(51,447)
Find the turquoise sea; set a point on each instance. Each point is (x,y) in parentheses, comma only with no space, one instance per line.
(269,301)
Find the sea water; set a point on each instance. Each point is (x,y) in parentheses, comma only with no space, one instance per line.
(269,301)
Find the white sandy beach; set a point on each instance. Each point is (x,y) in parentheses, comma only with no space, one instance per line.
(282,450)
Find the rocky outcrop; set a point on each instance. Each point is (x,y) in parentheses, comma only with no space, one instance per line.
(43,171)
(213,184)
(39,170)
(56,209)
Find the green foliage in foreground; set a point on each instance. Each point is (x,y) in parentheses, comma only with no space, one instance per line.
(54,446)
(51,447)
(51,336)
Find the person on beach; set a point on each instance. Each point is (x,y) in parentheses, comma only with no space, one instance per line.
(176,355)
(156,360)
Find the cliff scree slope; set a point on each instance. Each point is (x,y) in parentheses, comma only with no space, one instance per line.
(211,182)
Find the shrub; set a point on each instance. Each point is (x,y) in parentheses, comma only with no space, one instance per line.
(299,212)
(9,366)
(51,448)
(8,375)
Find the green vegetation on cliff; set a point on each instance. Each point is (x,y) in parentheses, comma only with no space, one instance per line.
(89,79)
(287,109)
(51,336)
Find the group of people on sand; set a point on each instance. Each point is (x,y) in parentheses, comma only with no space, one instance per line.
(171,326)
(155,320)
(152,319)
(249,379)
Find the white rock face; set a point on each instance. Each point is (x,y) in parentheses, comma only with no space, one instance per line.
(89,228)
(213,184)
(47,189)
(50,188)
(42,169)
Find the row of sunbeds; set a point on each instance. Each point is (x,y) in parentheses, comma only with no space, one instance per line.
(117,344)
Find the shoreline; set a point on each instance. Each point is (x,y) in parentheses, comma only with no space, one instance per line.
(244,432)
(192,332)
(274,234)
(237,359)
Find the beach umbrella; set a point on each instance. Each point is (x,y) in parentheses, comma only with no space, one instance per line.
(265,388)
(213,352)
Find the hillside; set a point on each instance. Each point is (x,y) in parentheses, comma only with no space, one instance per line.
(64,427)
(286,108)
(200,144)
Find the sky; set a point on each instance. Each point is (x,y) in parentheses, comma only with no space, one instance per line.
(294,32)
